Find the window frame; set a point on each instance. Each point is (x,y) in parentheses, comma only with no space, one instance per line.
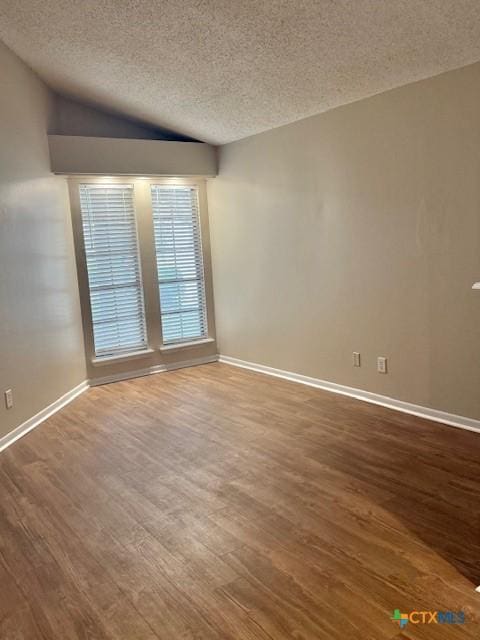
(119,353)
(156,352)
(171,344)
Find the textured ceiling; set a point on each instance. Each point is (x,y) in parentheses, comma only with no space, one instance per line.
(219,70)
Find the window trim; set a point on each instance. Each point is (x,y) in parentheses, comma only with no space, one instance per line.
(156,352)
(99,361)
(175,346)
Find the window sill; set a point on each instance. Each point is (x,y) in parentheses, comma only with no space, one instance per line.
(104,360)
(186,345)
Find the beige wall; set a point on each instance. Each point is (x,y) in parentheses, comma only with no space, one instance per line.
(41,344)
(359,230)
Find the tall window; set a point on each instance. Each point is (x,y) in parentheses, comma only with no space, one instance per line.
(114,277)
(179,263)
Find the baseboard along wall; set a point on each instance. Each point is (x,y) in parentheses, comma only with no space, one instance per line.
(148,371)
(435,415)
(41,416)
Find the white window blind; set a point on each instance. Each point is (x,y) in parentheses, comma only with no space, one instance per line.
(114,276)
(179,263)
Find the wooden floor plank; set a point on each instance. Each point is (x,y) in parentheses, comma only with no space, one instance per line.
(214,503)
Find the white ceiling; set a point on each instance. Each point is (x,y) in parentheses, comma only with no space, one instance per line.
(220,70)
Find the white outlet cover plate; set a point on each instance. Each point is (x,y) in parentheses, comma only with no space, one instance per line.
(9,399)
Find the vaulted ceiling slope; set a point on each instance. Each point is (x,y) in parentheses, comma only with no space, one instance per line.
(220,70)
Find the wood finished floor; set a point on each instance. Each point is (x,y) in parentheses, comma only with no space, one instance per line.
(216,503)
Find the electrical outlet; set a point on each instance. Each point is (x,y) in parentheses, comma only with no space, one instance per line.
(381,364)
(356,359)
(9,398)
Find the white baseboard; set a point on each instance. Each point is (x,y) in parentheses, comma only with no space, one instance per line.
(191,363)
(127,375)
(374,398)
(138,373)
(40,417)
